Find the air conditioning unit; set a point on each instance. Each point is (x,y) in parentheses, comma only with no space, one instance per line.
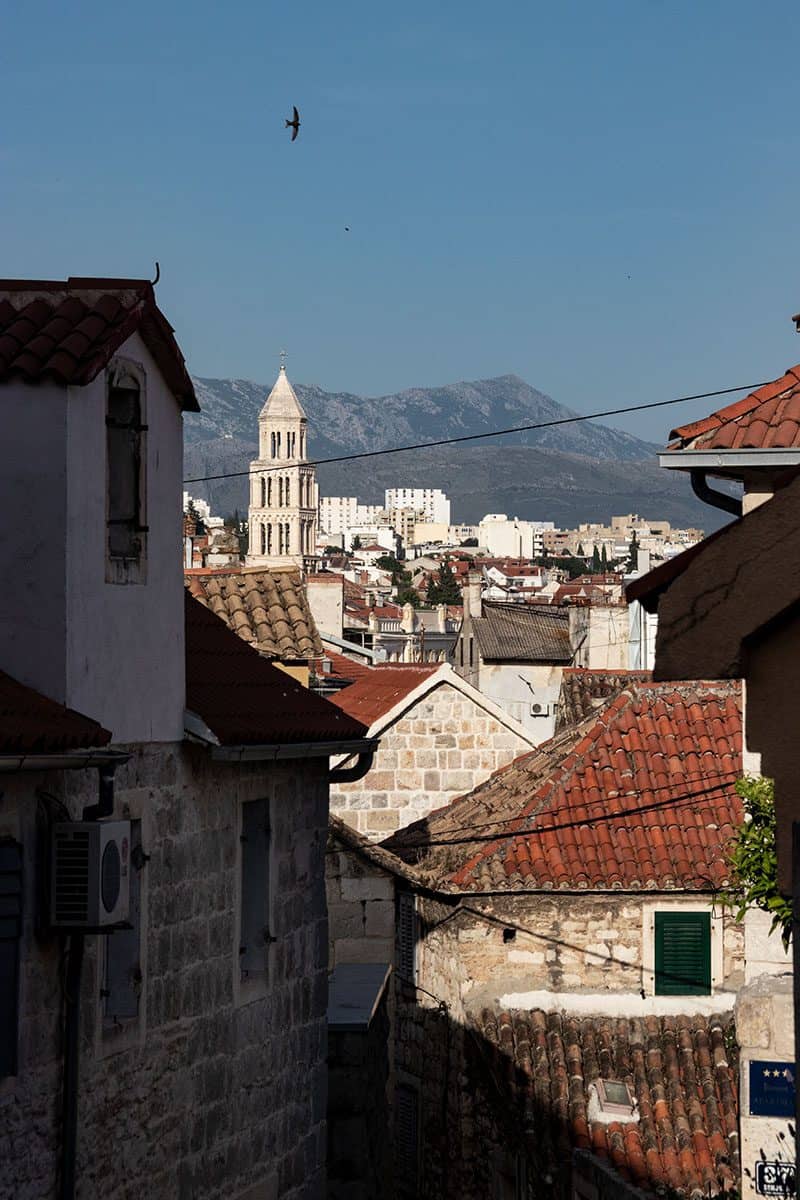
(540,710)
(90,874)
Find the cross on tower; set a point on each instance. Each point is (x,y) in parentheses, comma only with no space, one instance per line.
(283,360)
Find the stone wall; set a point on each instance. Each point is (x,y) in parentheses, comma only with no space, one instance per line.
(361,909)
(575,945)
(444,746)
(214,1090)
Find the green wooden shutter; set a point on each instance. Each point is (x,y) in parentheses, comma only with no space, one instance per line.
(683,953)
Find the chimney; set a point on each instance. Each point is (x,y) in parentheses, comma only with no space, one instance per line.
(471,594)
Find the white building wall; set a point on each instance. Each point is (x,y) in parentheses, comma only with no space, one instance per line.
(432,502)
(113,651)
(33,545)
(125,642)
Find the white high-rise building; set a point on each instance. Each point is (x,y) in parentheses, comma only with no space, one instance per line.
(432,502)
(283,487)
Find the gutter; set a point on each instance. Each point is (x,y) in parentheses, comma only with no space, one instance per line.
(76,761)
(728,460)
(280,751)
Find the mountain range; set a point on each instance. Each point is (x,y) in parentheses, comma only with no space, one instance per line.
(568,473)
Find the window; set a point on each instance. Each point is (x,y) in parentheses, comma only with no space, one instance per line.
(263,492)
(682,953)
(254,926)
(125,474)
(406,1124)
(122,988)
(10,934)
(407,937)
(263,539)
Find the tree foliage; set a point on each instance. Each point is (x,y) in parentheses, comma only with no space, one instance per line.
(753,859)
(443,586)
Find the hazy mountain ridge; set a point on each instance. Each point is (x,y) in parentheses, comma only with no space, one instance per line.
(569,473)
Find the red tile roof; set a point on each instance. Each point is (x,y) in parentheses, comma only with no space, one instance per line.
(769,418)
(245,700)
(346,668)
(30,723)
(639,796)
(69,330)
(585,691)
(681,1070)
(377,693)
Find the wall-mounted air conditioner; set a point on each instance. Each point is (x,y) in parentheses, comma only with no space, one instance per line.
(90,874)
(540,710)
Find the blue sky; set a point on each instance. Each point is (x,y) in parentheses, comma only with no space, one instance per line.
(600,197)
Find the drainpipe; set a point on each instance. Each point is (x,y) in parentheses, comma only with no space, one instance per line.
(359,769)
(711,496)
(72,1016)
(69,1110)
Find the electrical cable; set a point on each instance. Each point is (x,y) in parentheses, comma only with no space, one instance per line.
(474,437)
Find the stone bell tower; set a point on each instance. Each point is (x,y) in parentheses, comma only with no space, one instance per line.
(283,486)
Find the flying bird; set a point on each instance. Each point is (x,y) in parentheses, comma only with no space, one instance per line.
(294,124)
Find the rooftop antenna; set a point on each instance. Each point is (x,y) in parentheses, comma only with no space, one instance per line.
(158,274)
(283,360)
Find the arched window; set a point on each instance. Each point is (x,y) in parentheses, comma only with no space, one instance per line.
(277,445)
(269,491)
(272,445)
(287,492)
(269,539)
(263,491)
(280,491)
(263,539)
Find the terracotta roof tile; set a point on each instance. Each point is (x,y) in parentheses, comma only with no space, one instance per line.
(268,609)
(30,723)
(583,692)
(343,667)
(69,330)
(244,699)
(376,693)
(769,418)
(591,809)
(681,1070)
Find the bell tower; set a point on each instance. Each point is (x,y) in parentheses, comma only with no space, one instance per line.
(283,486)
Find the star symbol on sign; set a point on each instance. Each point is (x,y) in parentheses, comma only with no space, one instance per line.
(766,1073)
(777,1074)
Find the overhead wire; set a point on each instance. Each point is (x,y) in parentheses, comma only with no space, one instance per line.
(475,437)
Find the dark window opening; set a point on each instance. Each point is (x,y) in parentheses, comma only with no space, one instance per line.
(683,953)
(255,932)
(407,1139)
(406,937)
(124,443)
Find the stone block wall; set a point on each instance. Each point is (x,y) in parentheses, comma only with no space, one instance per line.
(361,910)
(214,1090)
(444,746)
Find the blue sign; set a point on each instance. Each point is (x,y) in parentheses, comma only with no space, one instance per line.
(771,1089)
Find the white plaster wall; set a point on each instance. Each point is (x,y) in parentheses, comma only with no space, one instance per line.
(326,601)
(33,535)
(516,686)
(125,642)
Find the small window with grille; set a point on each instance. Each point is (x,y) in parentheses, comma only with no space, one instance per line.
(407,937)
(125,473)
(406,1125)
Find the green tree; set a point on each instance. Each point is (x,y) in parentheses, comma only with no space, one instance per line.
(596,563)
(753,859)
(407,595)
(633,559)
(604,559)
(580,551)
(192,512)
(356,543)
(443,586)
